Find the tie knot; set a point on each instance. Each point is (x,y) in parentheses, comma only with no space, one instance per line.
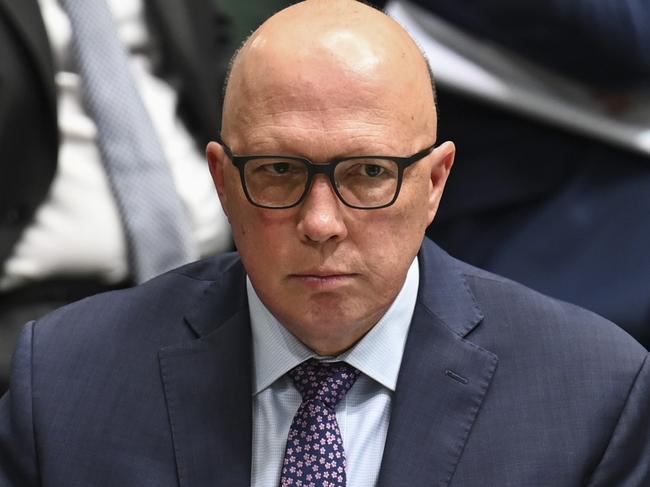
(327,381)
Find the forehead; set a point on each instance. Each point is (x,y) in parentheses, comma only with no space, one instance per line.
(319,118)
(323,107)
(338,85)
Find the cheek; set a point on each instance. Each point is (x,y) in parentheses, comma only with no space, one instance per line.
(389,245)
(403,229)
(392,238)
(416,207)
(261,236)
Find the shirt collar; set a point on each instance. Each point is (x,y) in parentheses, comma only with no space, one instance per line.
(378,354)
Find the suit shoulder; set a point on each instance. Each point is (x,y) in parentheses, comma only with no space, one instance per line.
(537,321)
(151,313)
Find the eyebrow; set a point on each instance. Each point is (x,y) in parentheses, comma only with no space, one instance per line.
(361,152)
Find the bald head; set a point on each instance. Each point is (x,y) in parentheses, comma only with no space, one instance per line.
(324,55)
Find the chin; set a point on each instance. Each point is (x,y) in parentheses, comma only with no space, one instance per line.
(329,330)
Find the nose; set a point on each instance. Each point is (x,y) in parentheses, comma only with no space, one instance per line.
(320,216)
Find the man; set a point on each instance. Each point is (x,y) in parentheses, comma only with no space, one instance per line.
(62,225)
(427,371)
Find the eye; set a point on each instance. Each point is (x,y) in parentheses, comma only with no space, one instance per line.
(372,170)
(278,167)
(356,171)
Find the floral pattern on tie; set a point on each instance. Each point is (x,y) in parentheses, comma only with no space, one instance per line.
(314,456)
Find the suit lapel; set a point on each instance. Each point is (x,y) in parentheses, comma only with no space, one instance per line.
(208,389)
(442,382)
(26,17)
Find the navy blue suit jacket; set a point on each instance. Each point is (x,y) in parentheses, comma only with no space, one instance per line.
(499,385)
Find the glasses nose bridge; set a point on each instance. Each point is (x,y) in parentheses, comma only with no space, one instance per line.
(326,169)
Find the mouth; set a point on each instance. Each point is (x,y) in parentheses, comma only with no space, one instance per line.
(323,279)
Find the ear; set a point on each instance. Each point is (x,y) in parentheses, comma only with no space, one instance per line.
(216,161)
(443,159)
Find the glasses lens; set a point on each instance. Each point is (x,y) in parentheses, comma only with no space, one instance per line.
(275,182)
(367,183)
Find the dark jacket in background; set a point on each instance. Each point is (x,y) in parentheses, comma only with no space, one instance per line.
(563,213)
(195,49)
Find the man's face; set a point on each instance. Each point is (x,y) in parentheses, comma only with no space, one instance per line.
(326,271)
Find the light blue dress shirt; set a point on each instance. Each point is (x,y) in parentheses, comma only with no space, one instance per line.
(362,415)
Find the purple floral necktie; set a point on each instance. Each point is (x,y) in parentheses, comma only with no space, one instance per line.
(314,456)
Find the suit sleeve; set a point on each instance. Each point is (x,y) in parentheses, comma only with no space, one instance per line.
(18,459)
(626,461)
(603,43)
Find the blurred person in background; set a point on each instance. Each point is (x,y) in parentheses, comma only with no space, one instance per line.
(105,107)
(555,207)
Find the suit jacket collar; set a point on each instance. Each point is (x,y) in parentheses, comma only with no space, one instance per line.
(221,299)
(444,291)
(441,385)
(442,381)
(208,384)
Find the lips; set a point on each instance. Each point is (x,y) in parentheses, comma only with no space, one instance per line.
(321,279)
(323,273)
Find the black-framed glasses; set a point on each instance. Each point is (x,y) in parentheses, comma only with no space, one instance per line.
(361,182)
